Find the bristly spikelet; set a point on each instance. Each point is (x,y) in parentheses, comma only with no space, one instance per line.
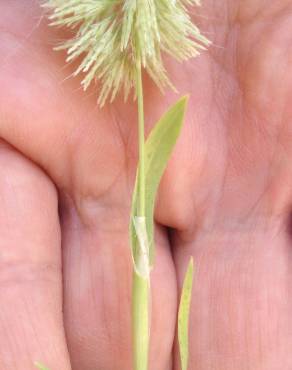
(115,37)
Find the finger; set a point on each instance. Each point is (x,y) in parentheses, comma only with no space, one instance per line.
(98,274)
(31,324)
(66,122)
(241,306)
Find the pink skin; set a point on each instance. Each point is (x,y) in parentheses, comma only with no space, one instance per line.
(225,199)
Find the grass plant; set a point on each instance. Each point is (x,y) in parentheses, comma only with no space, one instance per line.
(116,42)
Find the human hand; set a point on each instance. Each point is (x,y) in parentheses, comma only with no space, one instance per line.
(224,199)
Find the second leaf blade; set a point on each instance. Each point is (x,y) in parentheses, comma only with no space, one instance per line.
(158,149)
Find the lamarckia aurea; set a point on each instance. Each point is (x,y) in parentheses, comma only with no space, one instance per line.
(114,42)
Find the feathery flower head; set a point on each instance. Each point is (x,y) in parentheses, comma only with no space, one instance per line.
(115,37)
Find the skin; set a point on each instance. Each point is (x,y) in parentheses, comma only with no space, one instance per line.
(67,170)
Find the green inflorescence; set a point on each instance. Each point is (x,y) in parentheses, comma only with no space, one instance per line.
(112,37)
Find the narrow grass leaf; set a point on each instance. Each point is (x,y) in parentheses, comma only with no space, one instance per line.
(183,316)
(158,149)
(40,367)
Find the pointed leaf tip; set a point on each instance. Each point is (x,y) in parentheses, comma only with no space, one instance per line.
(40,367)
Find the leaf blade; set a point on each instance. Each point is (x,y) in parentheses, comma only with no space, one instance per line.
(158,149)
(183,316)
(40,366)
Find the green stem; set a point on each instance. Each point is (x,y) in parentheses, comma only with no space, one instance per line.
(141,284)
(141,140)
(140,321)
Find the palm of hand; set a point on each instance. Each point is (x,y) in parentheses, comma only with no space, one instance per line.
(225,197)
